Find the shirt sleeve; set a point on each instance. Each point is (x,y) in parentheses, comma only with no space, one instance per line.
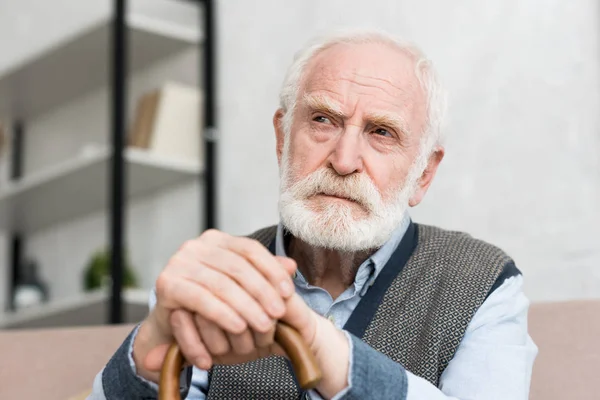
(495,358)
(493,362)
(119,378)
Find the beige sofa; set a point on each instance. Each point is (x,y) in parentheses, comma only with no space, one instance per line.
(57,363)
(568,337)
(61,363)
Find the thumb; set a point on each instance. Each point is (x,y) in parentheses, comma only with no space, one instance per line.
(288,263)
(155,357)
(301,317)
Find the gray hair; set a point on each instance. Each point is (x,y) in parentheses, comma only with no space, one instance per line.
(428,79)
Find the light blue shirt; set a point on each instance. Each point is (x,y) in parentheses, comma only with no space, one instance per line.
(493,361)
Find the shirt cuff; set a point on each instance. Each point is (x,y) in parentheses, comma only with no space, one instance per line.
(372,375)
(120,379)
(132,362)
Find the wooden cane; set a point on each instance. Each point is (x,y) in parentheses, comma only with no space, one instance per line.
(303,362)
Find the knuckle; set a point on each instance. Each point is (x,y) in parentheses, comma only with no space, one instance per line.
(240,330)
(236,270)
(188,245)
(192,352)
(220,284)
(244,346)
(211,234)
(263,330)
(177,319)
(249,247)
(264,339)
(268,296)
(220,347)
(210,312)
(214,313)
(253,251)
(204,250)
(252,291)
(163,284)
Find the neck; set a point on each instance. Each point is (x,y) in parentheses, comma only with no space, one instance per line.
(329,269)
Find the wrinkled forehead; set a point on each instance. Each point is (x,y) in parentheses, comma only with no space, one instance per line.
(376,74)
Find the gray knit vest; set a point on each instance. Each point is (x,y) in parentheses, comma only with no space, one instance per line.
(416,312)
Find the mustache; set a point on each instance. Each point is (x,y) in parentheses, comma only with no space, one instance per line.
(357,187)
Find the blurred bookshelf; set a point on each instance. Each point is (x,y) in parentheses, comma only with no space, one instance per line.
(79,184)
(32,88)
(74,187)
(90,308)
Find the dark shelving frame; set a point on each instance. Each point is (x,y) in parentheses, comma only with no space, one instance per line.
(117,184)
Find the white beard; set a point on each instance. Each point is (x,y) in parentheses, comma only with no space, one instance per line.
(335,225)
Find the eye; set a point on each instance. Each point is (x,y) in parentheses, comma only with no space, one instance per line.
(321,119)
(382,132)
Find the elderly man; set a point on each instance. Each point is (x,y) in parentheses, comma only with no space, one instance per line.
(391,309)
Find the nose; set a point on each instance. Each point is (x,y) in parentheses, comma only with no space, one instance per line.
(346,157)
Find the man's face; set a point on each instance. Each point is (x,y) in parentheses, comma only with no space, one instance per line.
(354,138)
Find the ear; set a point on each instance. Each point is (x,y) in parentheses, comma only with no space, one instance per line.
(279,134)
(423,185)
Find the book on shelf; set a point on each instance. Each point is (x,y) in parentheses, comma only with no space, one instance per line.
(167,122)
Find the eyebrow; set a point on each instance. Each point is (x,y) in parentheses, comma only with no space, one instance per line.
(390,119)
(323,103)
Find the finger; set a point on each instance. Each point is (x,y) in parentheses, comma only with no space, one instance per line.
(264,340)
(300,316)
(189,341)
(288,263)
(255,253)
(249,277)
(237,268)
(243,343)
(197,299)
(214,338)
(155,358)
(230,293)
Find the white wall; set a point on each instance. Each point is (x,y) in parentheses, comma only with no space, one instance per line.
(522,167)
(32,26)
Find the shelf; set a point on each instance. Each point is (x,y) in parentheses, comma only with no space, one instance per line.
(85,309)
(77,187)
(81,63)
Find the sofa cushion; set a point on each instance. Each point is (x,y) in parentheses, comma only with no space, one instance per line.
(568,337)
(55,364)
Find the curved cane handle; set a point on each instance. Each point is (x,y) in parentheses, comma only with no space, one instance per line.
(303,361)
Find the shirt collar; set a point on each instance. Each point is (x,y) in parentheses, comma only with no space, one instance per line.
(377,260)
(384,253)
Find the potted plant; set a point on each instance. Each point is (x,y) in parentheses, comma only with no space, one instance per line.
(97,272)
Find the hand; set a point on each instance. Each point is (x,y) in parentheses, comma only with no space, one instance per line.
(216,280)
(325,341)
(328,344)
